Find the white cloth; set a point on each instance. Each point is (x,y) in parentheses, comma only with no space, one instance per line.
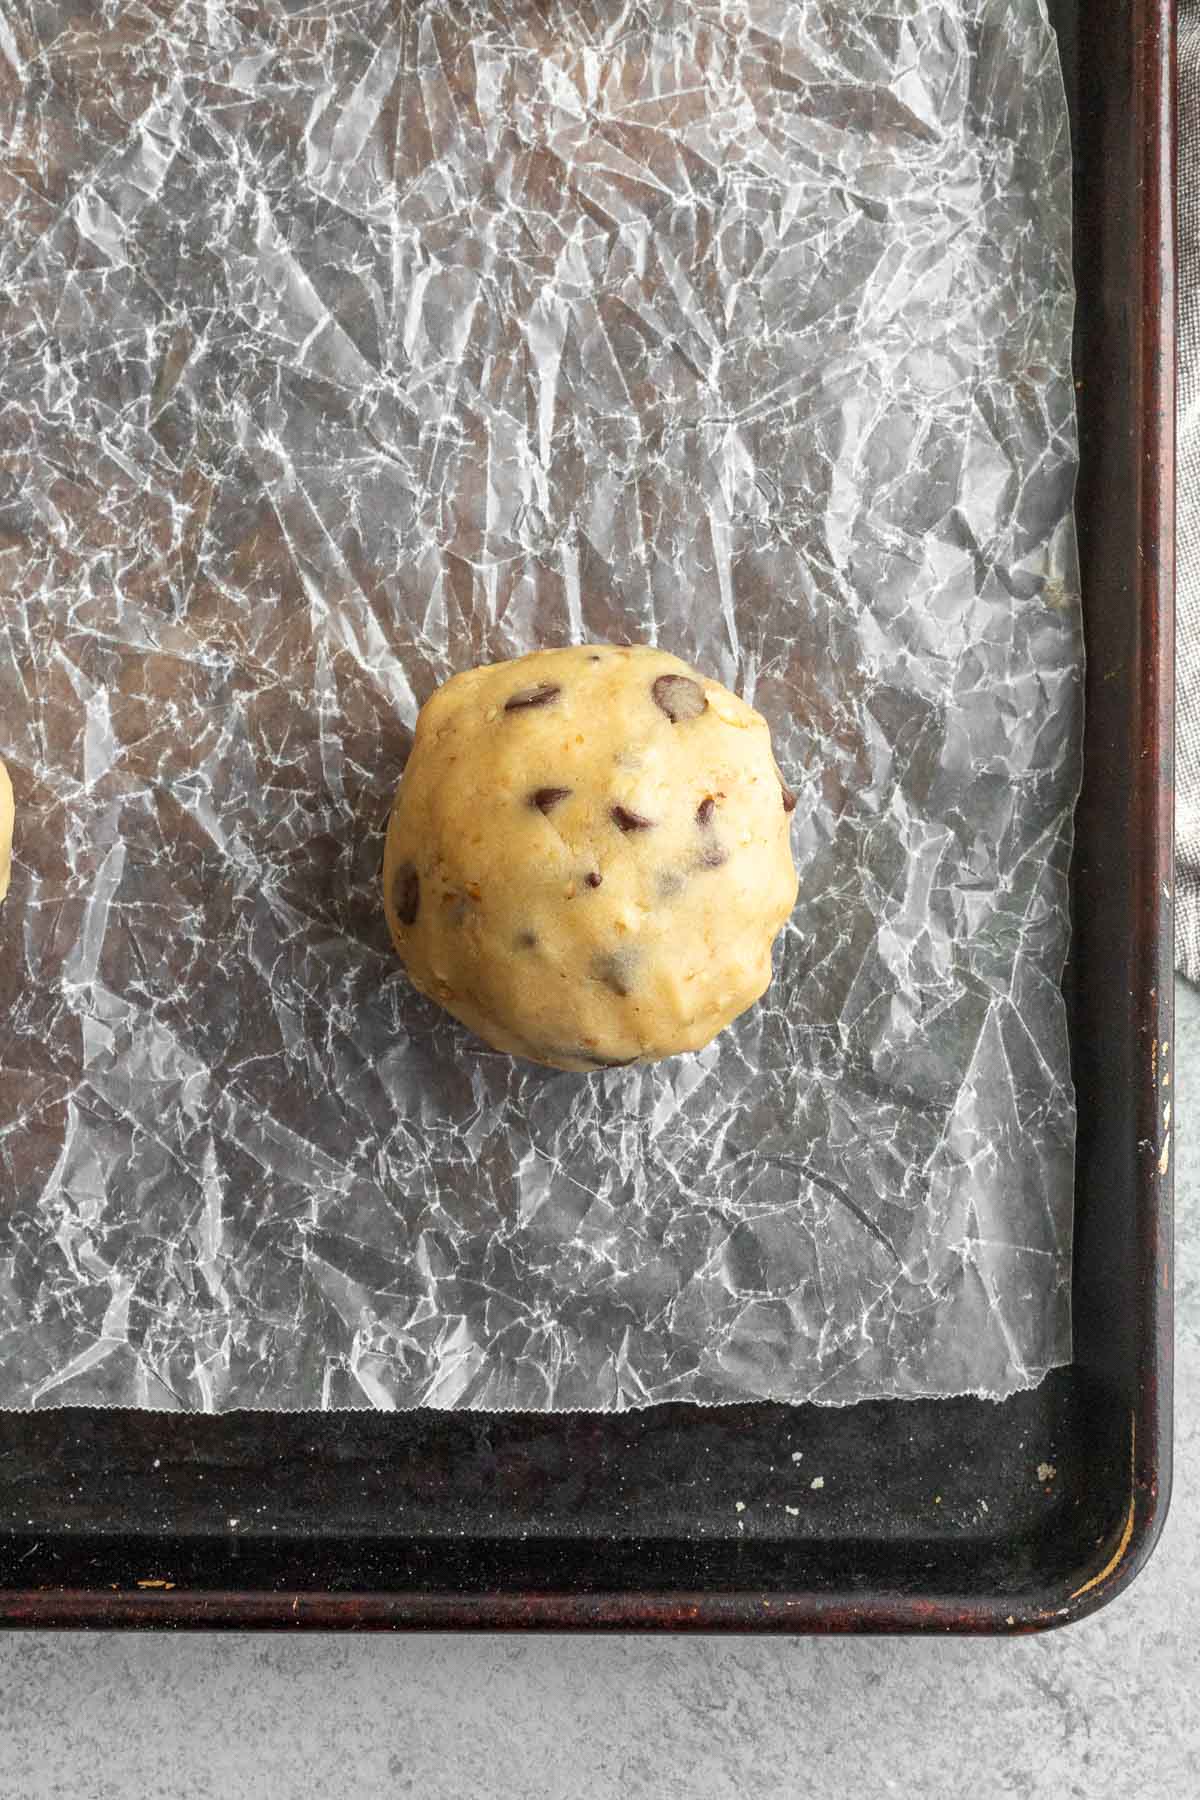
(1187,786)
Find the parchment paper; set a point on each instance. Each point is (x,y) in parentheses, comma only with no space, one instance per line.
(344,346)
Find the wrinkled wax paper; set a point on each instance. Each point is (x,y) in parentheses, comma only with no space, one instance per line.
(344,346)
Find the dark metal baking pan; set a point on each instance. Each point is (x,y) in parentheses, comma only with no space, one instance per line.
(958,1515)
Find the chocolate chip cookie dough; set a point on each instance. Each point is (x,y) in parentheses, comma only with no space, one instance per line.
(6,829)
(588,857)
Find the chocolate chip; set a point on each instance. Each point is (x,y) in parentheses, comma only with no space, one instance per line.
(593,878)
(704,811)
(541,695)
(406,894)
(630,821)
(560,1053)
(545,798)
(789,799)
(679,697)
(526,940)
(712,856)
(615,969)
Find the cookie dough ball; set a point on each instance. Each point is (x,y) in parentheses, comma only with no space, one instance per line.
(6,829)
(588,858)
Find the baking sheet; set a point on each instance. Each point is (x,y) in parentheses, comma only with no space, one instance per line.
(342,348)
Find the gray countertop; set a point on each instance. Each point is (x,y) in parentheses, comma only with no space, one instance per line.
(1093,1711)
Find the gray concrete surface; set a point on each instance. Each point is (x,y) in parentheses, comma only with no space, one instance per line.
(1104,1710)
